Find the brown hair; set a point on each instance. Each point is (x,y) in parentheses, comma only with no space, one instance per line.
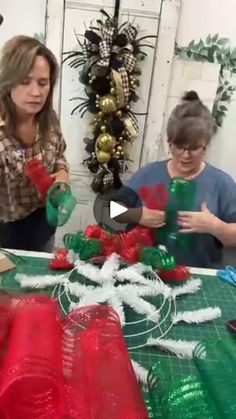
(190,121)
(17,58)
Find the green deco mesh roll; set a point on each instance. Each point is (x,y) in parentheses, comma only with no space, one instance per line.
(210,393)
(182,196)
(59,204)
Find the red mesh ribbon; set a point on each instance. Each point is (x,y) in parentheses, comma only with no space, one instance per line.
(127,245)
(60,260)
(39,176)
(32,380)
(179,274)
(8,302)
(75,368)
(154,196)
(106,384)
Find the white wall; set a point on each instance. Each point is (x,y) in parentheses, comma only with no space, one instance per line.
(199,18)
(22,17)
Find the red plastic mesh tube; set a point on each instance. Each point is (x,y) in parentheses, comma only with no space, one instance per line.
(100,377)
(39,176)
(32,377)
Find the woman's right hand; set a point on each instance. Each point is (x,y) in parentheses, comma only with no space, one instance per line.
(152,218)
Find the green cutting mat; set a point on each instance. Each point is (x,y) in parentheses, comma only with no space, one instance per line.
(213,293)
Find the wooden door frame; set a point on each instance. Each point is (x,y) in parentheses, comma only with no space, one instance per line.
(165,50)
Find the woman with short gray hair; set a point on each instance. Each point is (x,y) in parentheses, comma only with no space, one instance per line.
(213,222)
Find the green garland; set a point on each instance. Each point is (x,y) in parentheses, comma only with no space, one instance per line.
(215,50)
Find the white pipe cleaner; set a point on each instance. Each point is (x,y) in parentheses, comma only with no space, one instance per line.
(131,274)
(198,316)
(181,348)
(140,372)
(77,289)
(191,287)
(96,296)
(154,288)
(39,281)
(109,269)
(141,306)
(117,304)
(88,270)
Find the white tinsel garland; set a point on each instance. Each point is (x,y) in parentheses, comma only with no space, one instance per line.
(198,316)
(181,348)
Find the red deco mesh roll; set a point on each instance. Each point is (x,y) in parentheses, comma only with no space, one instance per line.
(39,176)
(100,378)
(32,378)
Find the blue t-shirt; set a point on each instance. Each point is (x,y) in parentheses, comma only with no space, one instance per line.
(214,187)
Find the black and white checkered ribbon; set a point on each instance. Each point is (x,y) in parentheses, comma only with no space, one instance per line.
(125,84)
(129,61)
(130,32)
(105,53)
(131,125)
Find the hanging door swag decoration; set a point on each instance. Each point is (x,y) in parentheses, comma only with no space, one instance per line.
(109,58)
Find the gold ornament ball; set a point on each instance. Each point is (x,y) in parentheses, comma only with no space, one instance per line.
(108,104)
(100,114)
(103,128)
(103,156)
(114,151)
(119,148)
(119,114)
(106,142)
(121,139)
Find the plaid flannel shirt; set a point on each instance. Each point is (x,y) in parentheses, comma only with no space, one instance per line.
(18,196)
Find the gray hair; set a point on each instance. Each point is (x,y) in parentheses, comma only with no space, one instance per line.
(190,121)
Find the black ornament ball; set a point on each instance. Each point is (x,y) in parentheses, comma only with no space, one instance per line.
(121,40)
(97,183)
(116,125)
(84,77)
(93,165)
(101,86)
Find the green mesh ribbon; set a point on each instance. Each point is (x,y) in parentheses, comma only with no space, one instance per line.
(59,204)
(157,258)
(218,374)
(182,195)
(87,248)
(210,393)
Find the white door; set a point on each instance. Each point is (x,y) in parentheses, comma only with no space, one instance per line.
(68,19)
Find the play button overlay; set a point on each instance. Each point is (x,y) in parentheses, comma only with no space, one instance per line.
(116,209)
(124,203)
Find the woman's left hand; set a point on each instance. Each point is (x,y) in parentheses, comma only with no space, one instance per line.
(197,222)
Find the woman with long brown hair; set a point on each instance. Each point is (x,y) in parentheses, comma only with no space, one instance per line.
(29,129)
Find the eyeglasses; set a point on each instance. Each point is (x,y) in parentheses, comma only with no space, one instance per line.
(194,150)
